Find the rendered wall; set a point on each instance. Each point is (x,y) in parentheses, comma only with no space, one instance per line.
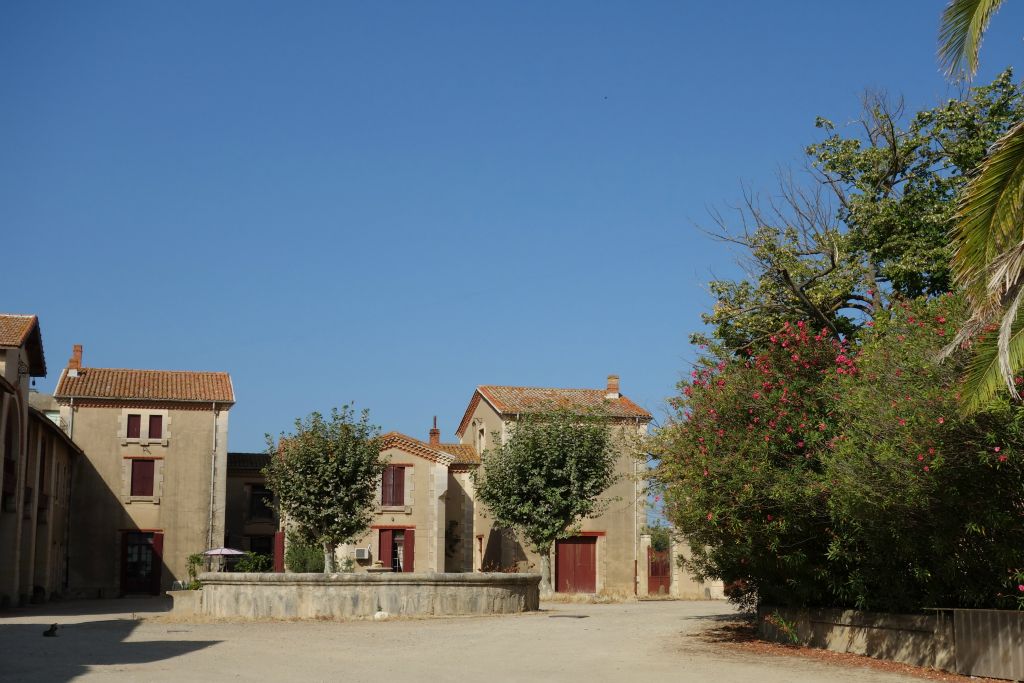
(342,596)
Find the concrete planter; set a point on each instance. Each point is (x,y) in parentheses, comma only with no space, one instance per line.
(346,596)
(185,603)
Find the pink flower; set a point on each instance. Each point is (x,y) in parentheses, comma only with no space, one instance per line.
(926,468)
(1002,458)
(903,423)
(756,395)
(710,516)
(799,444)
(821,426)
(1020,587)
(770,518)
(996,449)
(920,458)
(941,420)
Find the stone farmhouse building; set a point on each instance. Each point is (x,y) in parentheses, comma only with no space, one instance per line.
(152,488)
(427,518)
(38,460)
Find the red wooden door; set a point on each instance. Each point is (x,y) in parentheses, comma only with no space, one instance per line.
(659,572)
(576,565)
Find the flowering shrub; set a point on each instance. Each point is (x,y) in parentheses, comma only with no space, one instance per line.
(927,504)
(815,472)
(742,470)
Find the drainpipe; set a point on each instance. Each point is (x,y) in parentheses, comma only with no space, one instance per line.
(213,473)
(67,510)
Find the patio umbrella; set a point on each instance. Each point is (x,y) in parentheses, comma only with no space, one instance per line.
(223,552)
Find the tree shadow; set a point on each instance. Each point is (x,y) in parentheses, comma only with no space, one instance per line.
(80,646)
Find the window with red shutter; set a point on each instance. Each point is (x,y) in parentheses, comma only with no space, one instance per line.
(134,426)
(142,477)
(156,426)
(393,486)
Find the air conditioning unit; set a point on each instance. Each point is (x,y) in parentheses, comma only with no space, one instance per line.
(362,553)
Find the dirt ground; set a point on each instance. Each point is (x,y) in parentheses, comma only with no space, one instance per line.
(132,640)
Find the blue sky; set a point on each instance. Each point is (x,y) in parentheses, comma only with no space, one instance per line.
(391,203)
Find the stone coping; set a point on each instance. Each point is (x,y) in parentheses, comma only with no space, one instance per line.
(495,579)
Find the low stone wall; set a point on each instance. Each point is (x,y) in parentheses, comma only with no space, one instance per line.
(920,640)
(344,596)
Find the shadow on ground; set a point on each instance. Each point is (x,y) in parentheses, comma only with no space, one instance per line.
(80,646)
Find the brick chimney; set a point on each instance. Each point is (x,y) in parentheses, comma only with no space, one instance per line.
(435,434)
(75,362)
(613,388)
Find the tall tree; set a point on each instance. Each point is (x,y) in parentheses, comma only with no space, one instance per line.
(989,232)
(325,476)
(872,225)
(547,477)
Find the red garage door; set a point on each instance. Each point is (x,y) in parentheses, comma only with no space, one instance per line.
(576,565)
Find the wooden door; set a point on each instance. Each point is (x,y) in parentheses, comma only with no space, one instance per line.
(576,565)
(659,572)
(141,562)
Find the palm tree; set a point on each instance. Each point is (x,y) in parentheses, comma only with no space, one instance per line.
(988,233)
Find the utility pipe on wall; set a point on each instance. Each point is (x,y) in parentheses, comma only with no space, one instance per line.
(213,474)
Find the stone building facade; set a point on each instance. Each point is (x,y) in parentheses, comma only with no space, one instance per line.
(152,490)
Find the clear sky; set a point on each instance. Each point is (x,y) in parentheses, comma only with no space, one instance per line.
(393,202)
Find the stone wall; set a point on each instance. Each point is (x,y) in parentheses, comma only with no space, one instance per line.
(920,640)
(343,596)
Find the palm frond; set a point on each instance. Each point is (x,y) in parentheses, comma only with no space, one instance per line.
(963,25)
(985,378)
(988,223)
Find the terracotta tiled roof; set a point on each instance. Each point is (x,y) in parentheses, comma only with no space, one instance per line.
(508,401)
(147,385)
(247,461)
(464,453)
(23,330)
(417,447)
(14,329)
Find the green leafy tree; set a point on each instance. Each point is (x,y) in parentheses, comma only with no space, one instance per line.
(988,237)
(872,226)
(547,477)
(325,476)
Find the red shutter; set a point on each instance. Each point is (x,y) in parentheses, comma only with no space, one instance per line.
(387,485)
(398,491)
(279,551)
(134,425)
(156,426)
(410,550)
(142,477)
(158,558)
(386,536)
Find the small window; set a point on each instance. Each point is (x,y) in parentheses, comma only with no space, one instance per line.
(393,486)
(261,502)
(134,426)
(156,426)
(142,477)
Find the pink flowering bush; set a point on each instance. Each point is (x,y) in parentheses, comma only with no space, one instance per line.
(816,472)
(927,504)
(741,466)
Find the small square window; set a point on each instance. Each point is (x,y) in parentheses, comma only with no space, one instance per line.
(261,503)
(134,426)
(142,477)
(156,426)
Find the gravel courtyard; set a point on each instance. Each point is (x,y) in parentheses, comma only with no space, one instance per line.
(131,640)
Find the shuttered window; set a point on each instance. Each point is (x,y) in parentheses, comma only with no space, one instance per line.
(393,491)
(156,426)
(142,477)
(134,426)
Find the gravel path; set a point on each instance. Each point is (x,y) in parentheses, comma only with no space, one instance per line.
(127,640)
